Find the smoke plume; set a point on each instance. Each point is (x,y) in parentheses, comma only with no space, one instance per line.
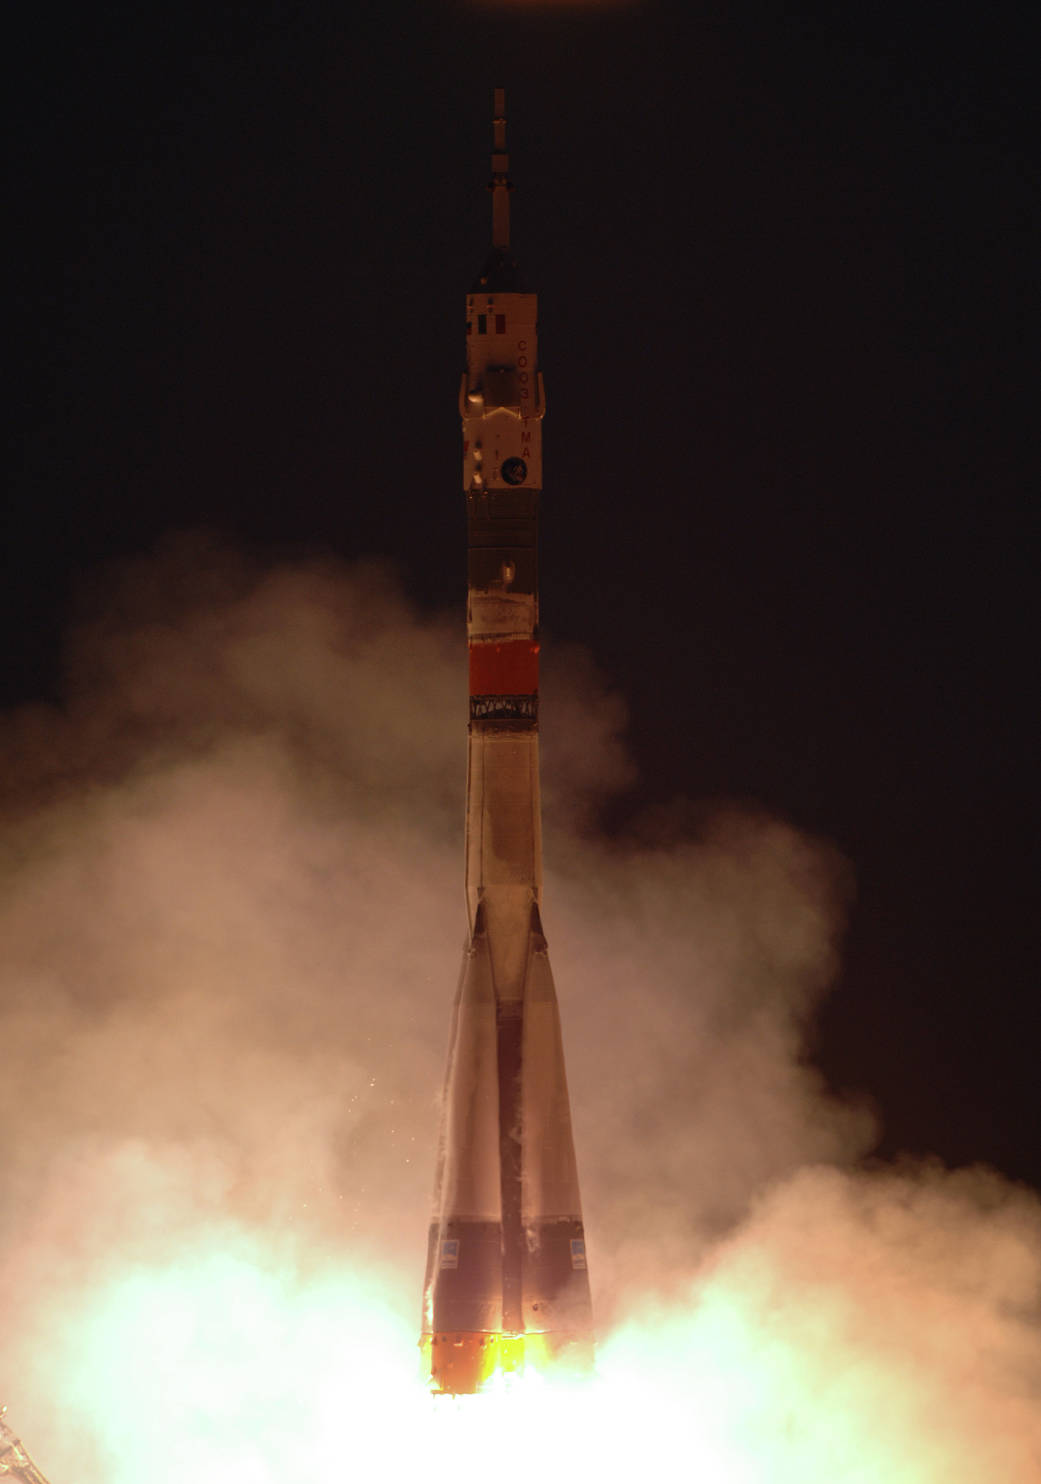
(232,916)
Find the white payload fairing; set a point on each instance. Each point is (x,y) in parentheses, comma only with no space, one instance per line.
(506,1283)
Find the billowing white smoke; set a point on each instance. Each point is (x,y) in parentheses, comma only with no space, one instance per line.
(231,924)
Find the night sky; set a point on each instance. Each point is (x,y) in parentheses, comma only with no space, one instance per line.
(786,259)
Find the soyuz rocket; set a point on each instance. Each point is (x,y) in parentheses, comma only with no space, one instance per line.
(506,1280)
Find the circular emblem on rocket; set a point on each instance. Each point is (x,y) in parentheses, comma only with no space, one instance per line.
(514,471)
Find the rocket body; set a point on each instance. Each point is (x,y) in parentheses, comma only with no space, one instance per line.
(506,1269)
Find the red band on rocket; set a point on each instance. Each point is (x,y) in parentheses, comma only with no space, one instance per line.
(507,669)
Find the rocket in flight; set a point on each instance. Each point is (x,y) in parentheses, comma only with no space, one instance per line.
(15,1462)
(506,1282)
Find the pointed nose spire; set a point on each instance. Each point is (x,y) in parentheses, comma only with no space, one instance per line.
(500,273)
(500,182)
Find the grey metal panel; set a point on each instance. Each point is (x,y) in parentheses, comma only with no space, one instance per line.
(555,1279)
(468,1296)
(486,566)
(507,504)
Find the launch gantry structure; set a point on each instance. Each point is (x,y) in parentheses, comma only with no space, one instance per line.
(15,1462)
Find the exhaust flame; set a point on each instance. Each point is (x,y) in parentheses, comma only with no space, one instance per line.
(230,939)
(765,1369)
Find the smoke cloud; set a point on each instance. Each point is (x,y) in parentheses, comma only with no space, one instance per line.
(232,916)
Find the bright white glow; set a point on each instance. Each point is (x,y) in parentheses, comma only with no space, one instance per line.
(231,925)
(231,1365)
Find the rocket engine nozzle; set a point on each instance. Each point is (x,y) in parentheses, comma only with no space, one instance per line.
(466,1363)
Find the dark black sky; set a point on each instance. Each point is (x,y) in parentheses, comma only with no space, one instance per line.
(786,259)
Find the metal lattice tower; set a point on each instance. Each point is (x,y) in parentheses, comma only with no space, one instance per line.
(15,1462)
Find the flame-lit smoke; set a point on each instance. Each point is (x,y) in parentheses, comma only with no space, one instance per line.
(231,923)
